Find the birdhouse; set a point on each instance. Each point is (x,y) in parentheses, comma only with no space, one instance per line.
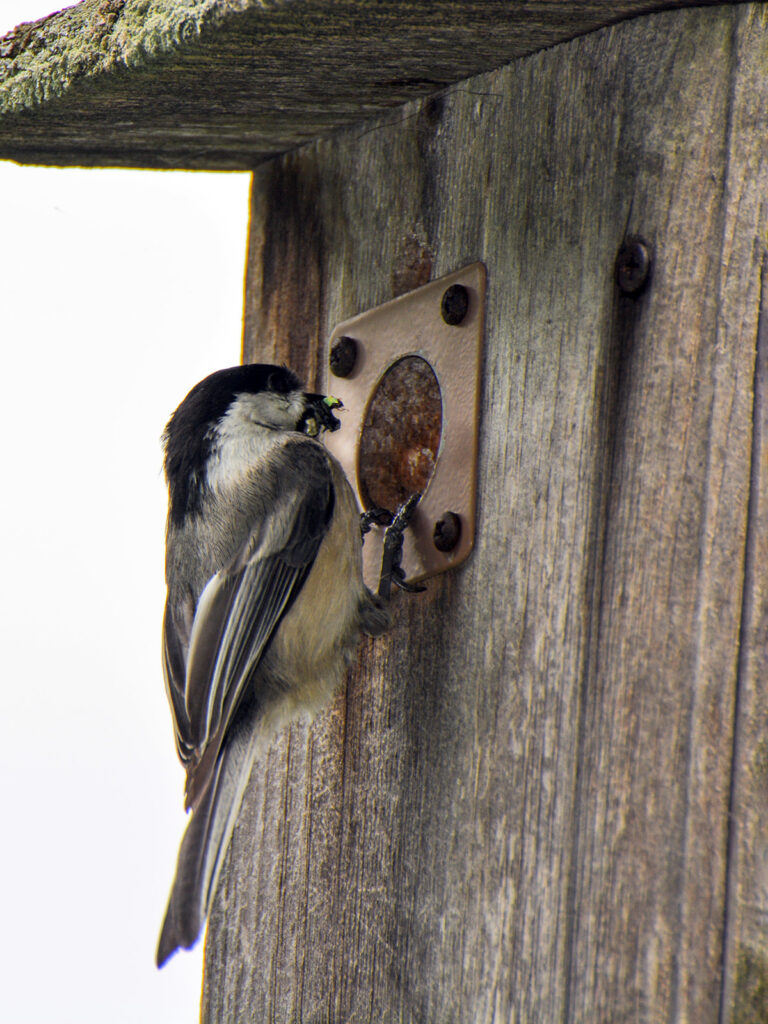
(543,795)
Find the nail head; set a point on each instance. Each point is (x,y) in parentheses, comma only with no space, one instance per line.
(633,265)
(455,304)
(447,532)
(343,357)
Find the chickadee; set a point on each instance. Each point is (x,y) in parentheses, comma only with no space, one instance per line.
(266,599)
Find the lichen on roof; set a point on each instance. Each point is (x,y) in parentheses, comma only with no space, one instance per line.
(40,60)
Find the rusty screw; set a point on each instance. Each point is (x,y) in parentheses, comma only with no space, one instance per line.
(455,304)
(633,264)
(447,531)
(343,357)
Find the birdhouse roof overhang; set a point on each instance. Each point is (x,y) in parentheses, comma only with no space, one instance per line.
(226,84)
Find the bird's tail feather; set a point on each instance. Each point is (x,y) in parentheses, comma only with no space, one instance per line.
(205,842)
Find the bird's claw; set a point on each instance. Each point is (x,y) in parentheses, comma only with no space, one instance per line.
(398,578)
(374,517)
(391,569)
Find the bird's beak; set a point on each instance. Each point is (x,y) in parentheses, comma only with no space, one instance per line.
(318,414)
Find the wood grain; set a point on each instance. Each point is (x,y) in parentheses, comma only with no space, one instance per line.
(225,84)
(542,795)
(745,993)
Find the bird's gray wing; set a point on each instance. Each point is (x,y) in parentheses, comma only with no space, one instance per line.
(207,838)
(242,605)
(177,629)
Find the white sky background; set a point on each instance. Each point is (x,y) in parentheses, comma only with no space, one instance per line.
(118,291)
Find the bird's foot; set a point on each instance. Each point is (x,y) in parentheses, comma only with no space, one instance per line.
(374,517)
(391,570)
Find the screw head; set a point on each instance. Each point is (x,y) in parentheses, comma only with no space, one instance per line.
(633,265)
(447,532)
(343,357)
(455,304)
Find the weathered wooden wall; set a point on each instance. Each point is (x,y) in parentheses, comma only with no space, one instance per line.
(543,796)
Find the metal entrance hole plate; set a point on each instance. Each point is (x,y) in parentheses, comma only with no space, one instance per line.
(408,373)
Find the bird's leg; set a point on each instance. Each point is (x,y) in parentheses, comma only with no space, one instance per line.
(391,570)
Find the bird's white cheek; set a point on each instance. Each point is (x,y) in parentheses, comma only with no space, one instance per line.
(265,409)
(253,426)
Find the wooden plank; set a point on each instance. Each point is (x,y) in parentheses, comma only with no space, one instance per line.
(225,84)
(655,767)
(745,995)
(519,808)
